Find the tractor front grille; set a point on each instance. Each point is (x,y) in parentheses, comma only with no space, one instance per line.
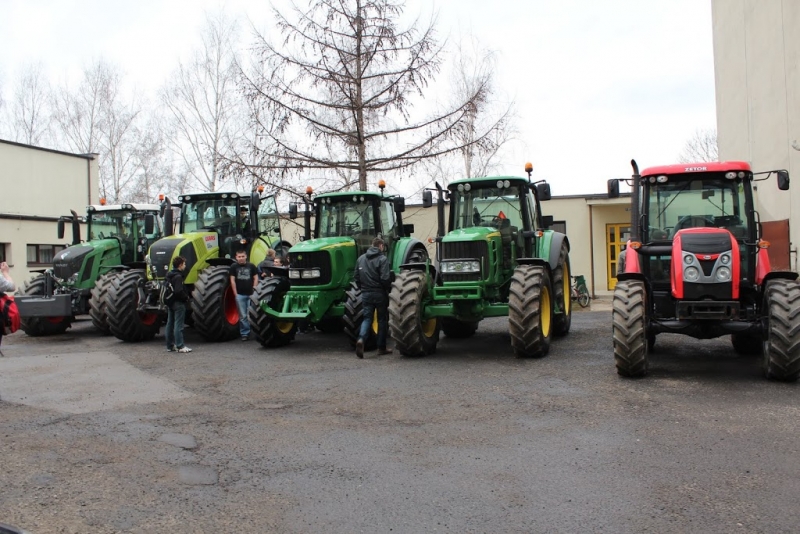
(312,260)
(465,250)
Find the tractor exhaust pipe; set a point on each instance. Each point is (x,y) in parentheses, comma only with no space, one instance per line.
(169,225)
(76,228)
(635,202)
(440,211)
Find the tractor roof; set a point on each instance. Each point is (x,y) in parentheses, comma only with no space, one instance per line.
(685,168)
(351,193)
(489,180)
(124,207)
(213,195)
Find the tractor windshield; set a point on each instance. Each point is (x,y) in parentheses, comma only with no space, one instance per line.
(485,206)
(220,215)
(345,218)
(105,224)
(699,202)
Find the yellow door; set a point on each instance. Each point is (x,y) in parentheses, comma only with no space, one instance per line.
(616,236)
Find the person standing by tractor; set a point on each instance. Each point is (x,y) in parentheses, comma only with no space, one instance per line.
(244,277)
(176,307)
(621,259)
(6,283)
(269,261)
(373,276)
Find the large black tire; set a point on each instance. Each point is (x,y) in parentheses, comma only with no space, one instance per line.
(353,317)
(42,326)
(125,290)
(458,329)
(214,310)
(782,345)
(562,292)
(97,304)
(412,335)
(747,344)
(530,311)
(629,328)
(269,332)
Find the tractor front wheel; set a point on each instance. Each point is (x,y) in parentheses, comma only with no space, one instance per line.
(126,290)
(269,332)
(530,311)
(782,346)
(629,328)
(214,310)
(562,290)
(97,304)
(42,326)
(413,335)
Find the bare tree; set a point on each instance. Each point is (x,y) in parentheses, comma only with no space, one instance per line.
(701,147)
(206,110)
(345,78)
(29,116)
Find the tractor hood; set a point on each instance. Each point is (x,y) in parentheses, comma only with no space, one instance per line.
(194,247)
(71,260)
(322,243)
(476,233)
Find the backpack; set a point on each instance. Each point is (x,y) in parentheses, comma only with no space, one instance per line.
(10,315)
(166,293)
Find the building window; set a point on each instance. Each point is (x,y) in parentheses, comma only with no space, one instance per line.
(43,254)
(3,252)
(559,226)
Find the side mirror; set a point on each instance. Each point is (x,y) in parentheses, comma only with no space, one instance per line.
(408,229)
(292,210)
(61,228)
(427,199)
(149,223)
(613,188)
(783,180)
(543,191)
(399,204)
(547,221)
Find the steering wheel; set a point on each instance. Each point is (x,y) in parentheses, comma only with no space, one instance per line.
(693,221)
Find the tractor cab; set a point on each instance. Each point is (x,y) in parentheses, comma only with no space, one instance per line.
(126,224)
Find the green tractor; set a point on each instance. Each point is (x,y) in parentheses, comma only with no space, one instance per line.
(213,226)
(319,284)
(498,259)
(79,279)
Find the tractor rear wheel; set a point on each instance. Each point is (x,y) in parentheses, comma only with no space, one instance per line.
(97,304)
(354,316)
(214,310)
(126,290)
(629,328)
(42,326)
(530,311)
(458,329)
(269,332)
(782,346)
(747,344)
(562,291)
(412,335)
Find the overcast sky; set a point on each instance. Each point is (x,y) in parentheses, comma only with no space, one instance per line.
(596,83)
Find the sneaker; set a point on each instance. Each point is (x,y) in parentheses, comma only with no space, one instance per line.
(184,349)
(360,348)
(384,352)
(172,349)
(245,338)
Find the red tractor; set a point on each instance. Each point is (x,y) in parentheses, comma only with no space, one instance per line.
(696,265)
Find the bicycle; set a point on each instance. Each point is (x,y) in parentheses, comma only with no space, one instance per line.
(579,290)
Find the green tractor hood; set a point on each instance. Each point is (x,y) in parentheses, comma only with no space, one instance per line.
(195,247)
(78,266)
(475,233)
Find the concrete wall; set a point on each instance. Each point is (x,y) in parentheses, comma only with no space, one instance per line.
(37,187)
(757,70)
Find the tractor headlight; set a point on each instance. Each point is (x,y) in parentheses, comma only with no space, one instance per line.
(147,260)
(724,259)
(294,274)
(688,259)
(691,274)
(73,279)
(723,274)
(468,266)
(311,273)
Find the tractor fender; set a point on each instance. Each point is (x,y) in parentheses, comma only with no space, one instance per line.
(557,239)
(402,249)
(219,261)
(778,275)
(534,261)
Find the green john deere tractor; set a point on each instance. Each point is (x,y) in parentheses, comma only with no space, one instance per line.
(498,259)
(319,287)
(213,226)
(79,279)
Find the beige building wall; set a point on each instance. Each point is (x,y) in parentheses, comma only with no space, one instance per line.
(38,186)
(757,70)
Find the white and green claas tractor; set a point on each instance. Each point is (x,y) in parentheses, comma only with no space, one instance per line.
(79,279)
(213,226)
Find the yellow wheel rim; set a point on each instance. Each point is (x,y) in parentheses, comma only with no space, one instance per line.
(375,322)
(567,282)
(429,327)
(544,312)
(284,328)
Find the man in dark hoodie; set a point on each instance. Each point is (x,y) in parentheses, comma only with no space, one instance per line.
(176,307)
(373,276)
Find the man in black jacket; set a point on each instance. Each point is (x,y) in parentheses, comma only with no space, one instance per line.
(373,277)
(176,307)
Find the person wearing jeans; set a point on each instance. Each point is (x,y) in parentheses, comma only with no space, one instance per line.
(244,278)
(373,277)
(176,307)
